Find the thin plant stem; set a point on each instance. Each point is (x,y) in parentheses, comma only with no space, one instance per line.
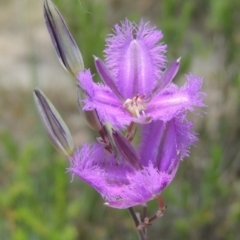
(140,232)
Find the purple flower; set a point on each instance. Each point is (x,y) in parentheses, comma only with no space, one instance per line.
(136,174)
(136,89)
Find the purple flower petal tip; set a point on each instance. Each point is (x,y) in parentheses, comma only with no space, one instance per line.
(106,76)
(166,77)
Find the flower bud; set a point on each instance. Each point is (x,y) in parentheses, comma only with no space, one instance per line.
(54,125)
(66,48)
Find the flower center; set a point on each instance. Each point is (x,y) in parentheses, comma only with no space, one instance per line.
(136,106)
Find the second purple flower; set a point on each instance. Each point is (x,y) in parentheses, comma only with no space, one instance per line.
(137,85)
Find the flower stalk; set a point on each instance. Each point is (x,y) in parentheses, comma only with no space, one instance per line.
(141,233)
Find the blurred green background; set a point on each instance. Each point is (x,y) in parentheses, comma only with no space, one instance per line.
(38,199)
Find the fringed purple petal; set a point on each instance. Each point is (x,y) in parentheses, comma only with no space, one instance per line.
(144,186)
(135,57)
(101,98)
(119,185)
(173,101)
(185,136)
(98,168)
(193,86)
(150,37)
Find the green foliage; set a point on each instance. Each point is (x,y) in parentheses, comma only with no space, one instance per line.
(32,199)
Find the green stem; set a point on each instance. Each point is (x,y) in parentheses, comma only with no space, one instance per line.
(140,232)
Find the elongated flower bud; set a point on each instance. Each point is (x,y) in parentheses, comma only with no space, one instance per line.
(66,48)
(54,125)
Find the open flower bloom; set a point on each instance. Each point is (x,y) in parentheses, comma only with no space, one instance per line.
(136,174)
(135,88)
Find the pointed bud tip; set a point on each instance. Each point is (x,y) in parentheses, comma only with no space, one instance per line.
(178,60)
(35,90)
(95,58)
